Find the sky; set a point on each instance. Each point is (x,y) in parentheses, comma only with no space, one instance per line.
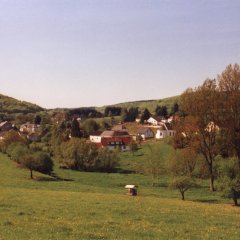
(75,53)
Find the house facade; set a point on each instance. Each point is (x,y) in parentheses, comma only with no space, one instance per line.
(112,140)
(145,133)
(165,130)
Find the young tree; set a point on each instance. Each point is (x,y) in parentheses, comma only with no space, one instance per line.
(40,162)
(155,165)
(183,162)
(182,184)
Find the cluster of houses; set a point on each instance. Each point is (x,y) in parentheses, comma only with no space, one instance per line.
(117,137)
(29,130)
(120,137)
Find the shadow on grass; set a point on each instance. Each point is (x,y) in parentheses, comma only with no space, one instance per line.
(124,171)
(210,201)
(54,178)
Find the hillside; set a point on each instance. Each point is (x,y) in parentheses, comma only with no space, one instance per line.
(83,205)
(12,105)
(150,104)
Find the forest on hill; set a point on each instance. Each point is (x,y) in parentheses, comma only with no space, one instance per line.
(11,105)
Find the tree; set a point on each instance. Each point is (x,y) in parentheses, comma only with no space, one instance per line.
(145,115)
(90,126)
(40,162)
(17,150)
(183,162)
(229,178)
(155,165)
(107,160)
(75,129)
(175,108)
(202,104)
(229,85)
(129,115)
(182,184)
(37,119)
(79,154)
(133,147)
(161,111)
(10,137)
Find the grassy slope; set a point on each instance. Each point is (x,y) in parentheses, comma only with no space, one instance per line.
(150,104)
(94,206)
(12,105)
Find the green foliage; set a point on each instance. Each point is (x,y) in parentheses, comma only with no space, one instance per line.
(149,104)
(182,184)
(17,150)
(161,111)
(90,126)
(10,137)
(145,115)
(11,105)
(133,147)
(229,178)
(79,154)
(75,129)
(40,162)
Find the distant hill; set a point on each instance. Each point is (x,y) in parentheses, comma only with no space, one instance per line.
(12,105)
(150,104)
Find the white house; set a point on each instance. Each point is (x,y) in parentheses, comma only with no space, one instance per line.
(95,137)
(145,132)
(165,130)
(155,121)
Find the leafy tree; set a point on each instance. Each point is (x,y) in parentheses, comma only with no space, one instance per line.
(10,137)
(75,129)
(107,160)
(161,111)
(129,115)
(40,162)
(79,154)
(17,150)
(37,119)
(229,178)
(175,108)
(182,184)
(201,103)
(183,162)
(155,165)
(145,115)
(90,126)
(229,85)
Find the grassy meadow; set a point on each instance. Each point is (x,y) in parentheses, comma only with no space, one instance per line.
(84,205)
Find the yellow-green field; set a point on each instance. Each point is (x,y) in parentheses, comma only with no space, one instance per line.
(95,206)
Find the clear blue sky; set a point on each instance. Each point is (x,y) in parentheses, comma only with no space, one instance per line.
(72,53)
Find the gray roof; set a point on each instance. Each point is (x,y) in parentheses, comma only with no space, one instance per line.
(143,130)
(113,133)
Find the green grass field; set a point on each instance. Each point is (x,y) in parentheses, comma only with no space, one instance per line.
(95,206)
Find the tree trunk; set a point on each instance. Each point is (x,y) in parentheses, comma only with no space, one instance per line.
(182,193)
(235,198)
(31,174)
(212,189)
